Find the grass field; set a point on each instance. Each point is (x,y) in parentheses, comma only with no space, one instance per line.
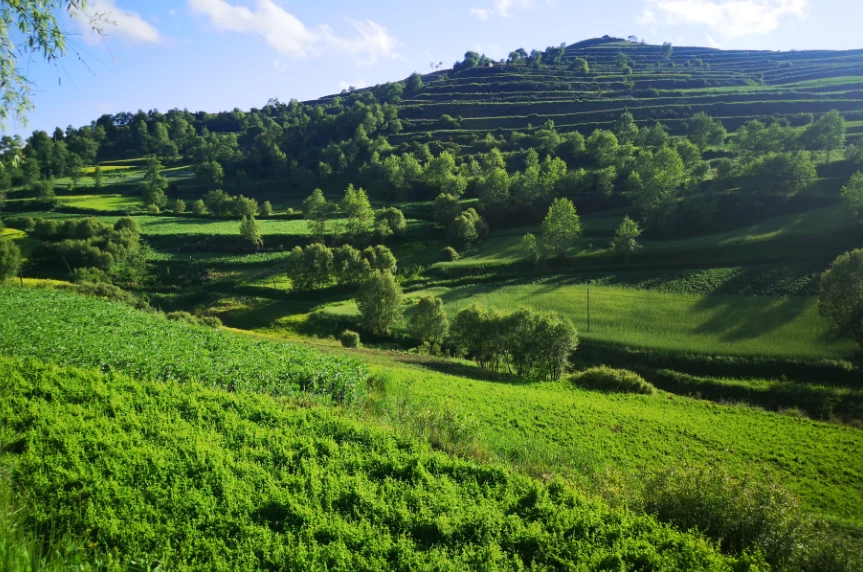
(108,202)
(169,476)
(554,428)
(716,325)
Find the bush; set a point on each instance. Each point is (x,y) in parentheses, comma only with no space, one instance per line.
(612,380)
(10,259)
(182,317)
(350,339)
(741,515)
(450,254)
(153,209)
(210,321)
(24,223)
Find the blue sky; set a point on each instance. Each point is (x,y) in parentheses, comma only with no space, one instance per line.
(215,55)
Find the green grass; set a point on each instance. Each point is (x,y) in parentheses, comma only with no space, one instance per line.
(556,428)
(109,202)
(171,476)
(717,325)
(79,331)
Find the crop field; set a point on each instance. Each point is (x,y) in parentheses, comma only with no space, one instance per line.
(80,331)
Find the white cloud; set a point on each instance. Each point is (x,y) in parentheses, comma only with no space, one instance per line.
(713,43)
(280,67)
(355,84)
(730,18)
(115,22)
(286,34)
(504,8)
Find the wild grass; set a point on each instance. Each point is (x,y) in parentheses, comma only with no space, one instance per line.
(182,476)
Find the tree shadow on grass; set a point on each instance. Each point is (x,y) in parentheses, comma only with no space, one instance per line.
(736,319)
(458,369)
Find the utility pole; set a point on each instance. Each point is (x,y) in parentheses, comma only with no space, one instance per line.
(588,310)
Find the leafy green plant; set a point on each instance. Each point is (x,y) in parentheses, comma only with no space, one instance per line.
(612,380)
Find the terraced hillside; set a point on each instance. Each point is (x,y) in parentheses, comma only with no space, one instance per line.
(730,85)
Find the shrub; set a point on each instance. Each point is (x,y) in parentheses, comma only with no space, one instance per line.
(450,254)
(182,317)
(612,380)
(10,259)
(741,515)
(24,223)
(210,321)
(350,339)
(153,209)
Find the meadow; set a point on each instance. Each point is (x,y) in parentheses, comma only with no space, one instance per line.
(714,324)
(184,476)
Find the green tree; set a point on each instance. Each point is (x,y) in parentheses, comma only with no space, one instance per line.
(210,174)
(358,212)
(97,177)
(199,208)
(840,299)
(379,301)
(626,129)
(315,210)
(446,210)
(656,183)
(826,134)
(10,259)
(251,231)
(852,194)
(579,65)
(311,268)
(26,28)
(414,83)
(75,169)
(390,221)
(349,267)
(531,247)
(704,131)
(219,202)
(154,183)
(180,206)
(493,191)
(602,146)
(561,227)
(429,322)
(245,207)
(626,239)
(266,209)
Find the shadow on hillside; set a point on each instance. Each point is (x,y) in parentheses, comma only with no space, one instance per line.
(462,370)
(743,319)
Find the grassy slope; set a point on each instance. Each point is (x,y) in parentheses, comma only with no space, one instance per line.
(551,428)
(189,477)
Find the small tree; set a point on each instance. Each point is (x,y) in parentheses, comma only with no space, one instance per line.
(315,210)
(626,239)
(561,227)
(704,131)
(446,210)
(97,177)
(852,193)
(358,211)
(379,301)
(154,183)
(390,221)
(180,206)
(840,299)
(245,207)
(531,247)
(250,230)
(827,133)
(266,209)
(210,174)
(199,208)
(10,259)
(429,322)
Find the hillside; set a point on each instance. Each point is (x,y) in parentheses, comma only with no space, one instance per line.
(562,311)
